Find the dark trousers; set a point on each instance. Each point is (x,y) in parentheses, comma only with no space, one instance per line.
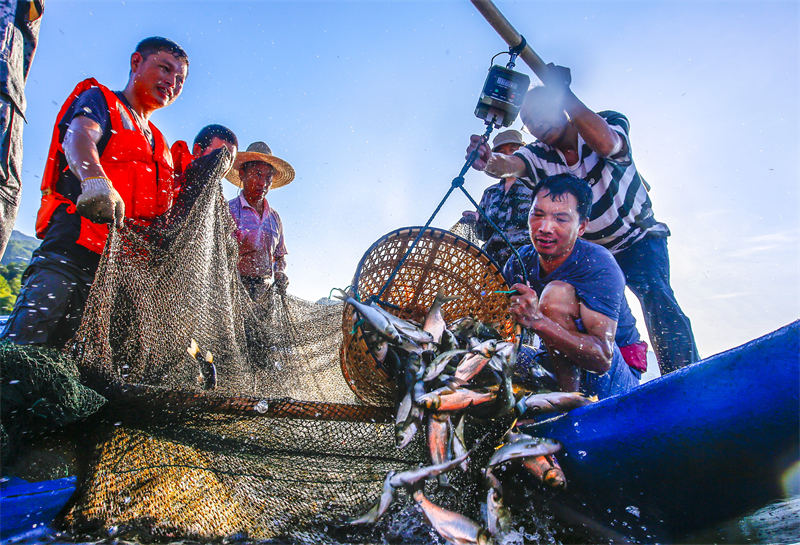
(646,268)
(50,304)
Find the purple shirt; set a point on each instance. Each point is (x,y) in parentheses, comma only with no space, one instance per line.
(260,237)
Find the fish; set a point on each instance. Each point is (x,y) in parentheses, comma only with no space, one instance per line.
(434,321)
(498,516)
(456,400)
(467,327)
(405,433)
(505,393)
(469,367)
(448,342)
(547,470)
(206,370)
(412,477)
(458,445)
(504,357)
(524,448)
(552,402)
(439,364)
(403,409)
(406,329)
(453,527)
(486,348)
(439,431)
(377,320)
(379,508)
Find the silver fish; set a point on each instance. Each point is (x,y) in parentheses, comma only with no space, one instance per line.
(404,327)
(552,402)
(413,476)
(524,448)
(438,365)
(376,319)
(408,430)
(498,516)
(380,507)
(453,527)
(434,321)
(505,355)
(448,342)
(459,446)
(403,409)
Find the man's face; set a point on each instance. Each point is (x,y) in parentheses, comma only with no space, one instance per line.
(507,149)
(543,117)
(555,224)
(256,180)
(157,79)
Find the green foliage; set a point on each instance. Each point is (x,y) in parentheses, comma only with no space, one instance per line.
(19,249)
(10,280)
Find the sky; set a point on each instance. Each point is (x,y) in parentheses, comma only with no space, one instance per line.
(372,103)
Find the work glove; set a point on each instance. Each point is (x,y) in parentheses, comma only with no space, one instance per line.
(281,282)
(100,202)
(558,77)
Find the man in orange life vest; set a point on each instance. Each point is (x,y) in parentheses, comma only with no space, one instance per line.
(107,163)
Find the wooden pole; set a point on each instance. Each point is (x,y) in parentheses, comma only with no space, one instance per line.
(510,35)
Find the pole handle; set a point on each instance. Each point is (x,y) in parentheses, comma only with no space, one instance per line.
(510,35)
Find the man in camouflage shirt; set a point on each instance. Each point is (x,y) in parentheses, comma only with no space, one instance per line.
(507,204)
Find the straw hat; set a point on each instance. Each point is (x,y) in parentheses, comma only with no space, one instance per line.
(259,151)
(510,136)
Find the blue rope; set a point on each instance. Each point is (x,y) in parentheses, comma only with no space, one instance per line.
(458,182)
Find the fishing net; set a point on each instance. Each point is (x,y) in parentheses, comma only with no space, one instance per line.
(269,442)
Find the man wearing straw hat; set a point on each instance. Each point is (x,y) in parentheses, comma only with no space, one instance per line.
(262,251)
(507,204)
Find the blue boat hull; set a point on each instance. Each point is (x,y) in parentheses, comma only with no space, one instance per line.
(26,509)
(689,450)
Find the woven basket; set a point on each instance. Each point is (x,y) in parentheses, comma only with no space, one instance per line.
(440,260)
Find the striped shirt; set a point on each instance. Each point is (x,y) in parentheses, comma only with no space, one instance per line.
(621,210)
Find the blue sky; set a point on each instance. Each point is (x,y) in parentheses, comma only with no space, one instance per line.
(372,104)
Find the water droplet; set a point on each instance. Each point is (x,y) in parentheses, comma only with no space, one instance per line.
(262,406)
(633,510)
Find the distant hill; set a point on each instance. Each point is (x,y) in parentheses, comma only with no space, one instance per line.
(20,247)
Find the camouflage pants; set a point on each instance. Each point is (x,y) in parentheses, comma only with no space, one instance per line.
(10,168)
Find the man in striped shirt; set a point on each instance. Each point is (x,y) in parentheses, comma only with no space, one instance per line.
(573,139)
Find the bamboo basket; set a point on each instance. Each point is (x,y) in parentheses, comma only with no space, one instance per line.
(440,260)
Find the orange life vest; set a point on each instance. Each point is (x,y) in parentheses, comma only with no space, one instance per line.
(142,175)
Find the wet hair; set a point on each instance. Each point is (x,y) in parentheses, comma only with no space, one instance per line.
(207,133)
(154,44)
(567,183)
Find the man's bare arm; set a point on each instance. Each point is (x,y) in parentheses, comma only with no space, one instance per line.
(496,165)
(592,350)
(98,201)
(596,132)
(80,148)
